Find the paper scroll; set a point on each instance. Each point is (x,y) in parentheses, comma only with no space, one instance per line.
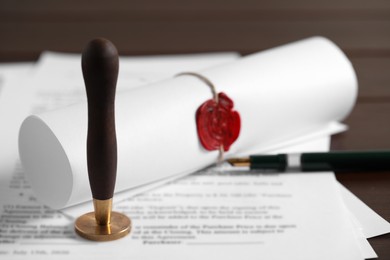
(282,93)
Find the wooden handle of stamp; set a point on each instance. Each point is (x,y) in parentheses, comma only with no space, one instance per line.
(100,64)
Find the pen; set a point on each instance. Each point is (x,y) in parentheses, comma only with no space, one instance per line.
(339,161)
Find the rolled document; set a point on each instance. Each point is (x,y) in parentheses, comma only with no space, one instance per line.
(282,93)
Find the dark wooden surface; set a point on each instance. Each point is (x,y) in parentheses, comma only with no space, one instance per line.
(360,27)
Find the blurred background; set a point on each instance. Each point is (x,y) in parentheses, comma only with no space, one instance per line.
(142,27)
(360,27)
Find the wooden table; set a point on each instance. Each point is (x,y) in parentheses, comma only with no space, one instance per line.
(360,27)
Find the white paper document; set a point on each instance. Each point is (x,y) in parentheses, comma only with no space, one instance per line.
(299,216)
(218,213)
(368,221)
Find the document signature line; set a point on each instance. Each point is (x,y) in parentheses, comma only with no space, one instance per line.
(227,243)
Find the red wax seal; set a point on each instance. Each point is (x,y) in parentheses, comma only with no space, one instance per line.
(217,123)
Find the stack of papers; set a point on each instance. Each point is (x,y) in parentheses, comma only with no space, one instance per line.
(217,212)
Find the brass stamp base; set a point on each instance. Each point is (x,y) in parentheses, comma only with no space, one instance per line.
(87,227)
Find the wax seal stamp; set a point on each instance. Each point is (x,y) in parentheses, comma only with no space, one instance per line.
(217,123)
(100,64)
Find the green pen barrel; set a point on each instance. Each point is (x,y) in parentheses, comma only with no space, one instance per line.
(346,161)
(268,162)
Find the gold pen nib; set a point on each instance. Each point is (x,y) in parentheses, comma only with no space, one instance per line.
(239,162)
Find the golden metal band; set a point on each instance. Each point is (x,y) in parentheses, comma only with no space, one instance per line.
(102,211)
